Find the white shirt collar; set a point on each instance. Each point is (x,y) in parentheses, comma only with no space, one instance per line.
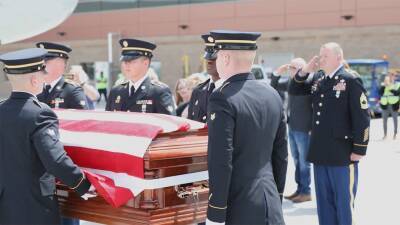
(53,84)
(335,71)
(217,83)
(136,84)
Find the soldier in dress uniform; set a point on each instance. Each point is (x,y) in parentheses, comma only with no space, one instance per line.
(247,144)
(57,91)
(340,132)
(31,155)
(139,93)
(199,99)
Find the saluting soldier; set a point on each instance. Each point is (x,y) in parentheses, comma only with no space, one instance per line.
(139,93)
(31,155)
(199,100)
(247,144)
(340,132)
(59,92)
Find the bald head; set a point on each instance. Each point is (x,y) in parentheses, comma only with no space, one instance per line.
(231,62)
(331,57)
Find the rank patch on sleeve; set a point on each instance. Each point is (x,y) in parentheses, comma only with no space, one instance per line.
(363,101)
(212,117)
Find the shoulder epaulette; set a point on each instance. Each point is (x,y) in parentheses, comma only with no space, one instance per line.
(224,85)
(124,82)
(37,102)
(203,85)
(158,83)
(353,73)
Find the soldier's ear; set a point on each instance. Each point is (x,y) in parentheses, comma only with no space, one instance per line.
(35,79)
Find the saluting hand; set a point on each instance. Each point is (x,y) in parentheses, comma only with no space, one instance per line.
(281,70)
(310,67)
(355,157)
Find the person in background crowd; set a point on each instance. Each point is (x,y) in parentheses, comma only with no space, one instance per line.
(389,101)
(182,96)
(81,78)
(299,117)
(101,84)
(183,92)
(152,75)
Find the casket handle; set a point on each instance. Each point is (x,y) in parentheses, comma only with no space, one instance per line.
(191,190)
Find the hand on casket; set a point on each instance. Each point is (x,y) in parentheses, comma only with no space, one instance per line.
(90,194)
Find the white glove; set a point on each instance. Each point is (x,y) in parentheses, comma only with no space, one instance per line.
(90,194)
(209,222)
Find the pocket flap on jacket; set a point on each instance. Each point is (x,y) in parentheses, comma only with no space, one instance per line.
(47,185)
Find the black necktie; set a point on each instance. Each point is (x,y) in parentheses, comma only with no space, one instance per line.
(211,88)
(132,91)
(47,88)
(46,91)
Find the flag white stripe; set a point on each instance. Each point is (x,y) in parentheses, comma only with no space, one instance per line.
(131,145)
(137,185)
(166,124)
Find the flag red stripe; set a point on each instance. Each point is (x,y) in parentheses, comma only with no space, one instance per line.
(109,127)
(105,187)
(103,160)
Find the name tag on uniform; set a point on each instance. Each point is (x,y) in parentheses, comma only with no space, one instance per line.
(144,102)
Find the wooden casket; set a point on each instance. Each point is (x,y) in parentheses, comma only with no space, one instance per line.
(172,154)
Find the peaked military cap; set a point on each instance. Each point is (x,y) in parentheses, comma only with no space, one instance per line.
(134,48)
(24,61)
(235,40)
(210,53)
(54,49)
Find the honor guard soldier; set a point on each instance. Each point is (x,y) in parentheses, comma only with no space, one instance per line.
(247,142)
(199,99)
(139,93)
(59,92)
(340,132)
(31,154)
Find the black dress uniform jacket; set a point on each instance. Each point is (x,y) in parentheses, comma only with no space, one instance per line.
(340,116)
(65,95)
(151,97)
(247,152)
(198,102)
(31,156)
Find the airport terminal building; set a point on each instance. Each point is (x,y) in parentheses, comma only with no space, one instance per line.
(365,29)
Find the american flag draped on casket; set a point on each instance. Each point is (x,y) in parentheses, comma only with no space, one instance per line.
(110,146)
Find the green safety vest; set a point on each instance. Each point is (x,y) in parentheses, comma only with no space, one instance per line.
(101,83)
(388,97)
